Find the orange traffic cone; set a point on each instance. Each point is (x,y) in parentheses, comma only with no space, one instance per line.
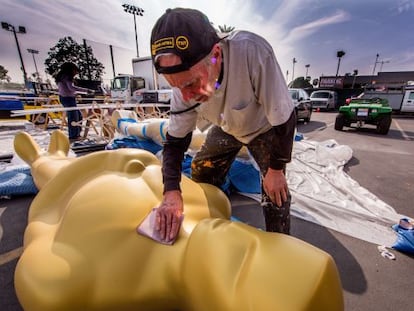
(318,109)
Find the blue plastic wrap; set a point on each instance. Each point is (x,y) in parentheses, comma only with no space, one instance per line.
(405,237)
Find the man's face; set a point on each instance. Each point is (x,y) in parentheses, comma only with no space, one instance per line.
(196,84)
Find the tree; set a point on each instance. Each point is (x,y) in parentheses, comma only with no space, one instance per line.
(68,50)
(226,29)
(300,83)
(3,74)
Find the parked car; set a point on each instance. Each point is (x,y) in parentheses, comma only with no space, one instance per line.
(324,99)
(375,111)
(303,105)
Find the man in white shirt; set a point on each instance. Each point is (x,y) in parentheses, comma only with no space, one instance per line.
(234,84)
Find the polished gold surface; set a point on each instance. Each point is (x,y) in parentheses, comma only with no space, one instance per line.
(82,251)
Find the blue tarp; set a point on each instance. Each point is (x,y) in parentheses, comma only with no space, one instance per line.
(11,105)
(242,177)
(405,237)
(17,181)
(134,142)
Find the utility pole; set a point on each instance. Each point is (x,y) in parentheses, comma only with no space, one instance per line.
(375,65)
(382,63)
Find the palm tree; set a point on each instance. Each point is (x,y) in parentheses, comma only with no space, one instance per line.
(225,28)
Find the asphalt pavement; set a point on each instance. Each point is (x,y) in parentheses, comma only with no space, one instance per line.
(383,164)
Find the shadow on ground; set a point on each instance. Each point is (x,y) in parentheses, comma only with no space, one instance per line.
(352,275)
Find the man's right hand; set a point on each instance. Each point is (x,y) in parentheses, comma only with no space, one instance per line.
(169,213)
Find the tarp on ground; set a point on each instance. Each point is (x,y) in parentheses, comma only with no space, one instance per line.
(323,193)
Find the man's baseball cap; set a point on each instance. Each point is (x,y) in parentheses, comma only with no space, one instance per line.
(186,33)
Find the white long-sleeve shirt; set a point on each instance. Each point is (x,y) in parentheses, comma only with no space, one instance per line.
(252,98)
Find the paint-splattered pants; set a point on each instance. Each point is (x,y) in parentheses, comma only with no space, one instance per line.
(212,163)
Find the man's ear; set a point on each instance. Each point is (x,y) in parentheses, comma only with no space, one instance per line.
(216,50)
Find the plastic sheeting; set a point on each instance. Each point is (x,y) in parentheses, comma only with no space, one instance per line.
(323,193)
(405,236)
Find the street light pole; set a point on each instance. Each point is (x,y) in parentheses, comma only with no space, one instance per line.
(355,74)
(294,61)
(33,52)
(136,34)
(307,68)
(9,27)
(339,54)
(134,11)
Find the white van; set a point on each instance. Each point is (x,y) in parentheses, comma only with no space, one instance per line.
(324,99)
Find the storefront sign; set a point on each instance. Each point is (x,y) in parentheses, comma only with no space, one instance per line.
(337,82)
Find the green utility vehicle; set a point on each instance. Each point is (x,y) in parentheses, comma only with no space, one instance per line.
(375,111)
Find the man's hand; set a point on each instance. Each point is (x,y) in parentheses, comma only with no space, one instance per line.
(275,185)
(169,214)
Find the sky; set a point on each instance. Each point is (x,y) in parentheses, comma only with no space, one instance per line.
(309,31)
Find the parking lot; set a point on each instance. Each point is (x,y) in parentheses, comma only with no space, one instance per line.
(383,164)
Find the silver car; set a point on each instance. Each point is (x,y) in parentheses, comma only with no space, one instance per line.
(303,105)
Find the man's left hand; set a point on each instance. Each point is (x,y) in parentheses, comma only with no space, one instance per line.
(275,186)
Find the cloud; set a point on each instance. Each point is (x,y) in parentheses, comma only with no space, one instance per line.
(307,29)
(402,59)
(404,6)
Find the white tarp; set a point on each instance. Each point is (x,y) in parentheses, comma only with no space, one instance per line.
(323,193)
